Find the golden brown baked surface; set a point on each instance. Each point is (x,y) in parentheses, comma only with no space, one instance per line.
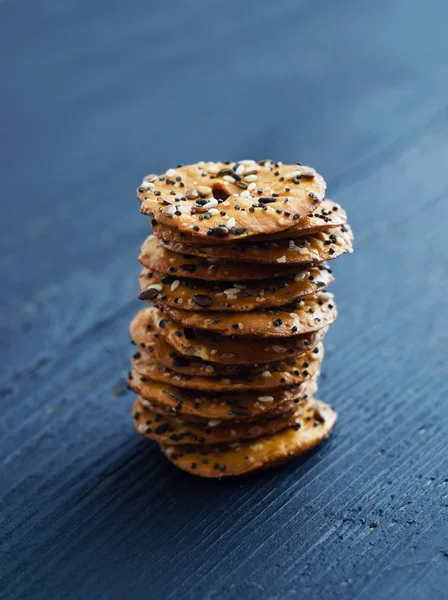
(231,200)
(316,248)
(311,426)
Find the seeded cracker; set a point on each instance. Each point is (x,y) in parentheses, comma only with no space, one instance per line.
(167,430)
(155,257)
(197,295)
(292,373)
(311,427)
(231,200)
(316,248)
(328,214)
(217,405)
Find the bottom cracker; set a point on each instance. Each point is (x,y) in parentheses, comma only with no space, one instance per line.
(312,426)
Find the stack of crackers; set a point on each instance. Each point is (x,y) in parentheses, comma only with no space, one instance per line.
(230,349)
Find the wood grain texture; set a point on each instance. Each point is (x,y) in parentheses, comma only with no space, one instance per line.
(95,95)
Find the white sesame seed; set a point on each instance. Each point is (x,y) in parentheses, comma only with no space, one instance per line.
(209,369)
(239,170)
(232,291)
(266,374)
(326,295)
(293,174)
(252,186)
(282,259)
(213,211)
(210,204)
(230,223)
(171,172)
(146,184)
(175,285)
(229,179)
(204,189)
(245,194)
(248,162)
(156,286)
(304,251)
(212,168)
(170,450)
(265,398)
(301,276)
(250,178)
(213,423)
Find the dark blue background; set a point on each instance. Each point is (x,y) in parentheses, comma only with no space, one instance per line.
(97,93)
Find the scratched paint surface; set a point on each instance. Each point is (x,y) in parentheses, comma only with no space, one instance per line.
(96,94)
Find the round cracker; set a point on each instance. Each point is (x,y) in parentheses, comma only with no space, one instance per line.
(317,248)
(192,366)
(309,366)
(328,214)
(227,350)
(167,430)
(208,199)
(231,349)
(313,425)
(155,257)
(306,315)
(283,408)
(144,335)
(197,295)
(221,406)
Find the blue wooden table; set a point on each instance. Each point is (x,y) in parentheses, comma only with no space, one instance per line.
(96,94)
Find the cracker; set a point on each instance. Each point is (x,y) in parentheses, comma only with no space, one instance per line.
(298,371)
(312,426)
(155,257)
(328,214)
(214,348)
(231,349)
(232,200)
(192,366)
(306,315)
(144,335)
(197,295)
(167,430)
(221,406)
(316,248)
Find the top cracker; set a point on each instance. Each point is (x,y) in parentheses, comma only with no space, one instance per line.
(232,200)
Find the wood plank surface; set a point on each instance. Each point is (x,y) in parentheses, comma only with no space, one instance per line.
(96,94)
